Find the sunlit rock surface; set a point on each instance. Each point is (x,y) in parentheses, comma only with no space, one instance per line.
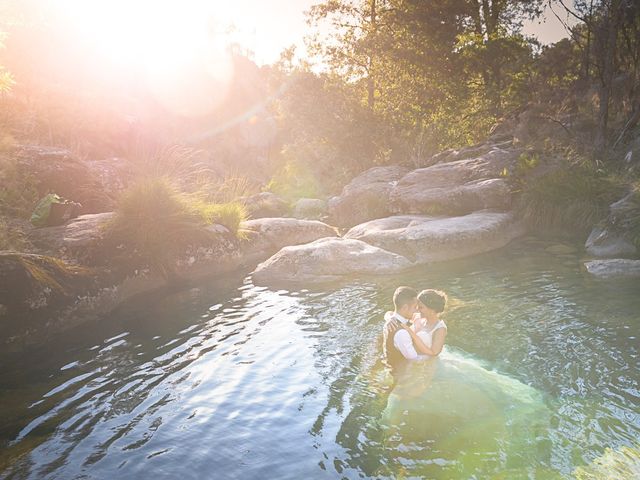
(271,234)
(614,268)
(310,208)
(366,197)
(424,239)
(79,239)
(328,259)
(456,188)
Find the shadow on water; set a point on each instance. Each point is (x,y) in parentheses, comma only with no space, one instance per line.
(539,376)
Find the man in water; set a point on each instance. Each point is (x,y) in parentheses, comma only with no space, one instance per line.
(397,344)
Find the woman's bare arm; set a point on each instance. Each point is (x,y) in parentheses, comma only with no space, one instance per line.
(418,343)
(438,340)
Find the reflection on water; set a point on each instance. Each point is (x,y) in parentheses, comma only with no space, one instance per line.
(540,376)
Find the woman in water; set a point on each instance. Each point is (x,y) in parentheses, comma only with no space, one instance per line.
(429,331)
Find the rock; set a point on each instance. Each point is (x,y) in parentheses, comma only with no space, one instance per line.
(38,284)
(54,170)
(613,238)
(93,184)
(366,197)
(328,259)
(604,243)
(310,208)
(456,188)
(473,151)
(560,249)
(77,241)
(424,239)
(614,268)
(268,235)
(109,177)
(265,205)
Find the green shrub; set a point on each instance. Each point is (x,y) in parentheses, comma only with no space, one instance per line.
(157,223)
(569,200)
(154,222)
(229,214)
(293,181)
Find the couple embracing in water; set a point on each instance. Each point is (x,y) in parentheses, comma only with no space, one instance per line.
(414,330)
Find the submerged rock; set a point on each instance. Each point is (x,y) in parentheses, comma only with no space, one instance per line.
(366,197)
(326,260)
(614,268)
(456,188)
(424,239)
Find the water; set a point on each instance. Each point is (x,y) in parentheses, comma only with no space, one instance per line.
(539,377)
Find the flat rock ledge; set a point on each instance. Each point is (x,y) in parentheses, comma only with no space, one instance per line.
(425,239)
(614,268)
(326,260)
(390,245)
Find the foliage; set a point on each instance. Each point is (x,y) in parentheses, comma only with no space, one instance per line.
(570,200)
(229,214)
(45,271)
(294,181)
(157,223)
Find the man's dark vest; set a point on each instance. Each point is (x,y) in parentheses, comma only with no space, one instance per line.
(392,355)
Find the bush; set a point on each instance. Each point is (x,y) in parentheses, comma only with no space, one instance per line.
(293,182)
(569,200)
(229,214)
(157,223)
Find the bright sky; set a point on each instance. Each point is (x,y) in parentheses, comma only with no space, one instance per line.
(280,23)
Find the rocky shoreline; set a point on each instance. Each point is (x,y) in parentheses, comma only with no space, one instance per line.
(388,219)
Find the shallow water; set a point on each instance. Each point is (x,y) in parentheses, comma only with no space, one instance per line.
(539,376)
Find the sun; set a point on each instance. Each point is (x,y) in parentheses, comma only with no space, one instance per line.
(178,46)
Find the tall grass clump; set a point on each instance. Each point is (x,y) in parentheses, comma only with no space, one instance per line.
(569,200)
(156,222)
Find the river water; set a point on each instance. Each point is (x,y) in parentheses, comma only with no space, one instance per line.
(539,377)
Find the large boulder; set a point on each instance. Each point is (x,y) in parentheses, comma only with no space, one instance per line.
(328,259)
(424,239)
(54,170)
(268,235)
(94,184)
(310,208)
(613,238)
(78,241)
(366,197)
(614,268)
(458,187)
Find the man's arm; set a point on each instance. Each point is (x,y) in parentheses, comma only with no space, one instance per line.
(402,341)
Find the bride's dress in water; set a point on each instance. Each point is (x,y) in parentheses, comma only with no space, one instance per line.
(466,413)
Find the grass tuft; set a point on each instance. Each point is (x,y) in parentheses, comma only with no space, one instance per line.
(570,200)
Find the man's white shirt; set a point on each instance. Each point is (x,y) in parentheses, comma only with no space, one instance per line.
(402,340)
